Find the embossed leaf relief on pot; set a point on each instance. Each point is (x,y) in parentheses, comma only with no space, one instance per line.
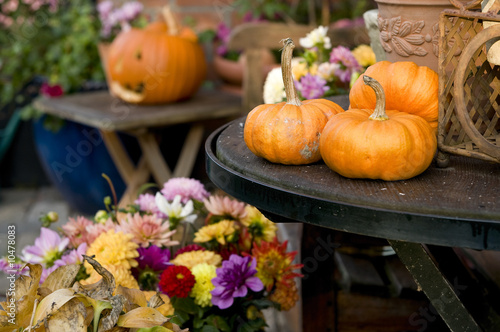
(404,38)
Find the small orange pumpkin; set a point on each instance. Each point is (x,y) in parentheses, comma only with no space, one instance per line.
(387,145)
(408,88)
(288,132)
(158,64)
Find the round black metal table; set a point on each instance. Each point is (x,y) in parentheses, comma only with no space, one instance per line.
(457,206)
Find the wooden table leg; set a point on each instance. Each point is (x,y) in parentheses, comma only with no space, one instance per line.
(120,157)
(436,287)
(139,178)
(189,151)
(151,152)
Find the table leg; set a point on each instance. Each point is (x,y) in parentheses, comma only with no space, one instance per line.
(141,176)
(156,163)
(120,157)
(189,151)
(435,286)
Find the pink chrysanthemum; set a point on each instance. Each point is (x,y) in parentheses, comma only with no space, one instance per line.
(348,63)
(76,230)
(311,87)
(96,229)
(147,203)
(147,230)
(226,207)
(185,187)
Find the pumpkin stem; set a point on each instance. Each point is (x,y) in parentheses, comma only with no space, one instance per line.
(168,17)
(379,112)
(286,69)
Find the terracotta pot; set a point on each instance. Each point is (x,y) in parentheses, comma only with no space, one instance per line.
(232,71)
(409,30)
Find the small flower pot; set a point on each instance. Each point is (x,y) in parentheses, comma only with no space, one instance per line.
(409,30)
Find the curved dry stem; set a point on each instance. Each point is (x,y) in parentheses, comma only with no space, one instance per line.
(379,112)
(286,70)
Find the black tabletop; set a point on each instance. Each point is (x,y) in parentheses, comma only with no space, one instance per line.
(456,206)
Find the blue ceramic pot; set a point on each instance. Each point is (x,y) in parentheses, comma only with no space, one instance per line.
(74,159)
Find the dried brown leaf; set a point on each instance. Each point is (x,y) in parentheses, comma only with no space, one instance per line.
(142,317)
(174,327)
(70,317)
(156,301)
(110,320)
(103,289)
(43,292)
(135,297)
(51,304)
(62,277)
(26,293)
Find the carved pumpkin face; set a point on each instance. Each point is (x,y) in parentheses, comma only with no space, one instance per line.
(150,66)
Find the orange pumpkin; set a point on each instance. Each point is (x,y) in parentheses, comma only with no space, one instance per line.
(155,65)
(288,132)
(408,88)
(387,145)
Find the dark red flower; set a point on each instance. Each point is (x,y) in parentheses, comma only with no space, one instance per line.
(51,90)
(176,281)
(188,248)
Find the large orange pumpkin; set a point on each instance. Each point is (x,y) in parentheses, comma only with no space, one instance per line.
(288,132)
(155,65)
(387,145)
(408,88)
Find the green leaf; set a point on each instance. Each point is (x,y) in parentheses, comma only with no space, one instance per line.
(209,328)
(218,322)
(185,304)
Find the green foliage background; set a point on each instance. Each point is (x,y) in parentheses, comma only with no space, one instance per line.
(60,46)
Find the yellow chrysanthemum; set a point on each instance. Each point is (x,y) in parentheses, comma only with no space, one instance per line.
(113,248)
(166,309)
(313,70)
(203,274)
(299,69)
(217,231)
(192,258)
(364,55)
(261,228)
(123,276)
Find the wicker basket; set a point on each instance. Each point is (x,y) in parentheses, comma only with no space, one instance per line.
(469,87)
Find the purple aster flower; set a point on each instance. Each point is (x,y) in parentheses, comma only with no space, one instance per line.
(153,257)
(48,248)
(147,202)
(104,8)
(185,187)
(152,261)
(348,63)
(233,280)
(311,87)
(9,267)
(72,257)
(130,10)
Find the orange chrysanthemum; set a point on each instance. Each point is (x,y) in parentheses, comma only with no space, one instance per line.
(285,295)
(274,264)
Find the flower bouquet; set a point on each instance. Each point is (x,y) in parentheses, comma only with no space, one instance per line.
(320,71)
(197,261)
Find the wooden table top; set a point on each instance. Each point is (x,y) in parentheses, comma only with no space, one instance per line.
(101,110)
(454,206)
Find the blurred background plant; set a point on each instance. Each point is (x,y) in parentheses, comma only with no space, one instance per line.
(115,19)
(49,39)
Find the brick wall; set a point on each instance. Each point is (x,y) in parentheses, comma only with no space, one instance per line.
(200,14)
